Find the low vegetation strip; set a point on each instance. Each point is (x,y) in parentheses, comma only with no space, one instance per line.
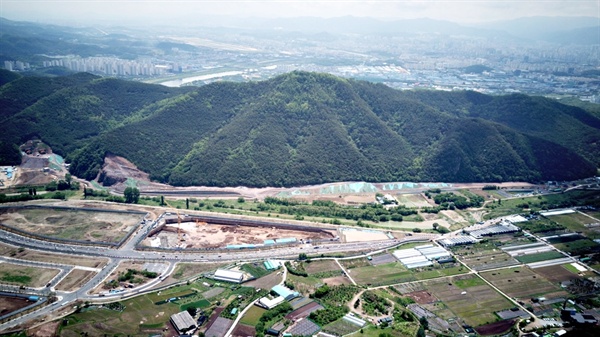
(551,255)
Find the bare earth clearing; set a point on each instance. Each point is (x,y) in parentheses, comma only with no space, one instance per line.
(119,169)
(33,255)
(34,277)
(10,304)
(69,224)
(75,279)
(213,236)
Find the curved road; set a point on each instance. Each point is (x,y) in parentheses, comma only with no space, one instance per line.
(128,252)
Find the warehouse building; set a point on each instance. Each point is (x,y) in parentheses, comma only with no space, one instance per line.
(456,241)
(285,292)
(272,265)
(183,322)
(228,276)
(270,303)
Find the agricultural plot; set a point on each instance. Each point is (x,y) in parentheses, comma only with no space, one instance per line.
(71,224)
(413,200)
(266,282)
(382,259)
(187,270)
(252,316)
(530,258)
(304,285)
(380,275)
(139,317)
(578,247)
(522,283)
(321,266)
(469,298)
(34,277)
(439,271)
(577,222)
(488,259)
(340,327)
(255,269)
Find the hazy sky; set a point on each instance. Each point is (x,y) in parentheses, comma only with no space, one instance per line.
(111,11)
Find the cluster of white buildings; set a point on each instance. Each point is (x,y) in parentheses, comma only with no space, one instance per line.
(421,256)
(16,65)
(502,227)
(111,66)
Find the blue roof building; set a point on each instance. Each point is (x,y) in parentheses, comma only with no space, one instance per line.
(285,292)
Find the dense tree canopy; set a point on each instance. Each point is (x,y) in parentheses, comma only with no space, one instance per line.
(298,128)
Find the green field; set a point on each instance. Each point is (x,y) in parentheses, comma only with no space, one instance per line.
(433,272)
(468,297)
(201,304)
(530,258)
(383,274)
(523,283)
(570,268)
(576,222)
(140,317)
(468,282)
(537,203)
(252,316)
(321,266)
(255,269)
(578,247)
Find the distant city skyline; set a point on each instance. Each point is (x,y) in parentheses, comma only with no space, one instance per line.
(184,12)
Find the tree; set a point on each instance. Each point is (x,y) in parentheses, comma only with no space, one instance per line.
(132,195)
(424,322)
(241,200)
(436,225)
(68,179)
(187,203)
(191,311)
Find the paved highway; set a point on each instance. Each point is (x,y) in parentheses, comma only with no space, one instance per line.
(128,252)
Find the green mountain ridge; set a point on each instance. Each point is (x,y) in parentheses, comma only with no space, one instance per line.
(298,128)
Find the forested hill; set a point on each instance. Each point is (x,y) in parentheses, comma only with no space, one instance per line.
(298,128)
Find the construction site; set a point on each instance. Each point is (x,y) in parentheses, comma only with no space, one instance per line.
(179,231)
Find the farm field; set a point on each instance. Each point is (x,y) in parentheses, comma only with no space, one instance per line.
(75,279)
(186,270)
(522,283)
(266,282)
(255,269)
(594,214)
(577,247)
(384,274)
(34,277)
(321,266)
(413,200)
(71,224)
(340,327)
(252,316)
(487,259)
(469,298)
(433,272)
(530,258)
(558,273)
(576,222)
(304,285)
(536,203)
(140,316)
